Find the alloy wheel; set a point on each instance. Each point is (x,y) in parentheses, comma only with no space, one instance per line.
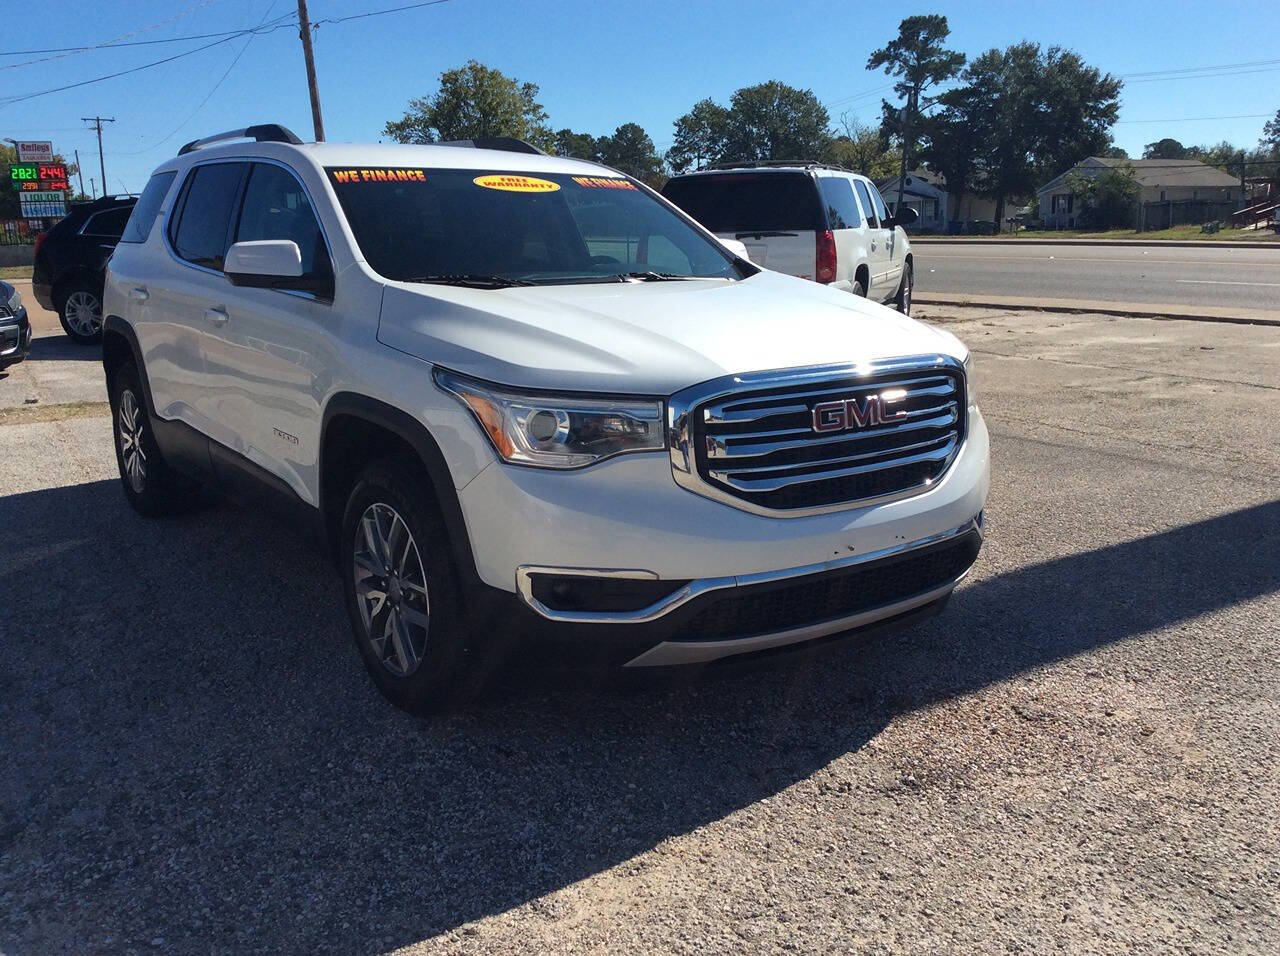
(391,589)
(84,313)
(906,293)
(129,430)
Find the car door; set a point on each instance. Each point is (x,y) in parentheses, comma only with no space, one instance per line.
(893,250)
(847,227)
(266,360)
(175,301)
(877,239)
(100,235)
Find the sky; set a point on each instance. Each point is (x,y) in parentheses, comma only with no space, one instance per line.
(598,64)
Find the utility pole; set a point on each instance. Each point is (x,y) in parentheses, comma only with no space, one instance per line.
(93,189)
(97,122)
(79,174)
(304,30)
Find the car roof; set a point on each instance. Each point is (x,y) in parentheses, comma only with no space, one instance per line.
(393,155)
(771,167)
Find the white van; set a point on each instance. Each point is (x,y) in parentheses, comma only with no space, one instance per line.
(806,219)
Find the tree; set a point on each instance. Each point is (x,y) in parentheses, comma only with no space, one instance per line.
(951,147)
(1164,149)
(700,136)
(631,150)
(475,101)
(1115,152)
(920,61)
(1033,113)
(1107,200)
(1271,135)
(577,145)
(862,149)
(775,121)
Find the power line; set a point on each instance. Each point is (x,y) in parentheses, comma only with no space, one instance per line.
(22,97)
(200,105)
(1196,69)
(1198,119)
(378,13)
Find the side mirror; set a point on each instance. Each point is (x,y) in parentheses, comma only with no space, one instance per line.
(737,247)
(273,264)
(905,216)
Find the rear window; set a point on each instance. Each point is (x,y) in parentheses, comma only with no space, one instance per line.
(749,202)
(146,208)
(107,225)
(842,208)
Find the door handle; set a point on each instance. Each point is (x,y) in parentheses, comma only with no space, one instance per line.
(873,245)
(142,295)
(217,316)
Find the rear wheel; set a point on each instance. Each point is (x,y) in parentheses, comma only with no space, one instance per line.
(402,592)
(903,299)
(859,289)
(81,313)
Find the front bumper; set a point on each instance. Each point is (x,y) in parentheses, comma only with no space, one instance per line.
(674,560)
(15,338)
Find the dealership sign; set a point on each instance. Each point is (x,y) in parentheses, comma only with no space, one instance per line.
(37,151)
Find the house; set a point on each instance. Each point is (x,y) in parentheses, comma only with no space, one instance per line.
(926,192)
(1172,192)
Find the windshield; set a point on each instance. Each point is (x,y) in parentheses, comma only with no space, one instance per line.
(749,203)
(498,228)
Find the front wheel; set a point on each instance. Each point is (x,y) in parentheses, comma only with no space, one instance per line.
(903,299)
(402,592)
(152,487)
(81,313)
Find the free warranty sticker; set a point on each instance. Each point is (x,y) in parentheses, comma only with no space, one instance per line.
(517,184)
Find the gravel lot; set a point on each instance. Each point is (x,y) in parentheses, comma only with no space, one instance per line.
(1078,755)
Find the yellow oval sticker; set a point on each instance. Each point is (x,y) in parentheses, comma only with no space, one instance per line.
(517,184)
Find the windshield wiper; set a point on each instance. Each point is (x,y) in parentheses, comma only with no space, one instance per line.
(652,276)
(476,280)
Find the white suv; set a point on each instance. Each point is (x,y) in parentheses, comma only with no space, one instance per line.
(806,219)
(526,403)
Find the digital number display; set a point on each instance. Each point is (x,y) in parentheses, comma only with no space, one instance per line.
(36,177)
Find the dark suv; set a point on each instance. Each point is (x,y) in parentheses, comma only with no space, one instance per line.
(71,263)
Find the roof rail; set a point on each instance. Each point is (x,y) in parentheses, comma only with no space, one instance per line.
(507,144)
(804,163)
(262,133)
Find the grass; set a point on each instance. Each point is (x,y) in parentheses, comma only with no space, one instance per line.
(15,272)
(1181,233)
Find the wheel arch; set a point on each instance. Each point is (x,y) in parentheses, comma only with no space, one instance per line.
(60,288)
(863,274)
(355,430)
(119,346)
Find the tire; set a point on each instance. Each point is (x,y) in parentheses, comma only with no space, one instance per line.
(858,290)
(902,301)
(80,312)
(403,594)
(150,485)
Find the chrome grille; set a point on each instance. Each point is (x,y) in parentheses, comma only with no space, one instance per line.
(752,441)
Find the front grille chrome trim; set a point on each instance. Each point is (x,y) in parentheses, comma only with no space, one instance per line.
(773,484)
(720,401)
(943,416)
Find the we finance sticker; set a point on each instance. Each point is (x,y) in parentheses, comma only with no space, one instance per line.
(378,175)
(516,184)
(602,182)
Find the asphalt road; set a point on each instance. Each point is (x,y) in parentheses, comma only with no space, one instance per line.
(1174,275)
(1078,756)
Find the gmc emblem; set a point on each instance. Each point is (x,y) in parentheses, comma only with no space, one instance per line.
(849,413)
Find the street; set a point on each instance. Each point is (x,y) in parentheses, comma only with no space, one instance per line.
(1078,755)
(1247,278)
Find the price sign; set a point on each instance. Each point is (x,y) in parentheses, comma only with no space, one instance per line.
(36,177)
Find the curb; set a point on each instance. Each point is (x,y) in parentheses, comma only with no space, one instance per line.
(1149,243)
(1131,309)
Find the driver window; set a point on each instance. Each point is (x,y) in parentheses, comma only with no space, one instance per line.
(276,207)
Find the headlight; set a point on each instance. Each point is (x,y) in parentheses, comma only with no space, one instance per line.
(558,431)
(13,304)
(971,382)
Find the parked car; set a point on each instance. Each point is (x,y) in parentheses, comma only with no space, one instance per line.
(806,219)
(525,402)
(15,328)
(71,260)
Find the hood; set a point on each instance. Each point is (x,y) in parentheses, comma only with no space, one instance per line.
(645,338)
